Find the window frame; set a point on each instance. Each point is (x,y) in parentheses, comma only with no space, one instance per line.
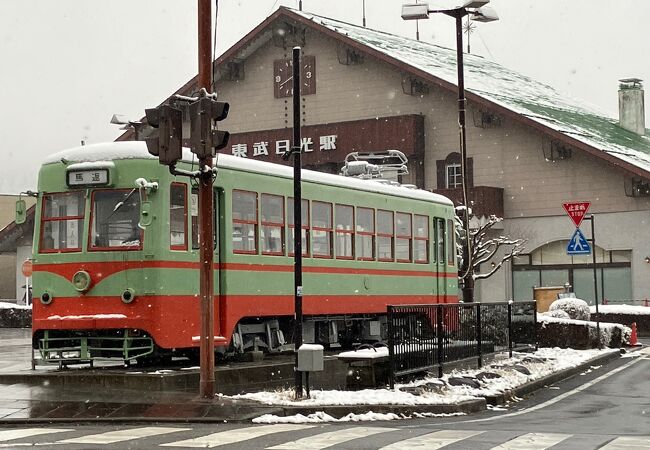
(91,247)
(329,231)
(62,219)
(451,243)
(366,233)
(280,225)
(416,238)
(306,249)
(385,235)
(255,223)
(408,238)
(342,231)
(184,246)
(457,175)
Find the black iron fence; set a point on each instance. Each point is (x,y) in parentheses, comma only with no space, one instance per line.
(426,337)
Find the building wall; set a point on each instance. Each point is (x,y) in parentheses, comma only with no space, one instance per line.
(509,156)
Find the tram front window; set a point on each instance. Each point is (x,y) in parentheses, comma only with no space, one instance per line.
(115,216)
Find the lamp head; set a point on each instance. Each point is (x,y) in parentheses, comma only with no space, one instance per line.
(475,3)
(485,14)
(415,11)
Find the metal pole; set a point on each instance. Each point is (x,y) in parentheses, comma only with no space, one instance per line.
(364,13)
(468,285)
(206,214)
(593,259)
(297,216)
(510,329)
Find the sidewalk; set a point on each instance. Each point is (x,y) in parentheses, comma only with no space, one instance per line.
(47,404)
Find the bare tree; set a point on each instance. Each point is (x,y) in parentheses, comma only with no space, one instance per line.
(484,249)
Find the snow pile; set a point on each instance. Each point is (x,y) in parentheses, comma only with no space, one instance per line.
(502,375)
(88,316)
(9,305)
(574,307)
(622,309)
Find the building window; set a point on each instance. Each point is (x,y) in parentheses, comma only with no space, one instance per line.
(244,222)
(62,222)
(272,231)
(454,176)
(344,216)
(549,265)
(304,205)
(449,172)
(385,235)
(321,229)
(365,246)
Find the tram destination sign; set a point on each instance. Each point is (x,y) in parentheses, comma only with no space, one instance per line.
(87,177)
(576,211)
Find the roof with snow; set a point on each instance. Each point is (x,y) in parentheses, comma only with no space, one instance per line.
(487,83)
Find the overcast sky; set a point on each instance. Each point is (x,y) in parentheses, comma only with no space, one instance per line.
(67,66)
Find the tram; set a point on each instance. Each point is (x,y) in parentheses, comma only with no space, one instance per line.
(115,263)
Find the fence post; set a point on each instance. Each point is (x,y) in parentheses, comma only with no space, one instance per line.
(510,329)
(391,349)
(535,324)
(439,333)
(478,335)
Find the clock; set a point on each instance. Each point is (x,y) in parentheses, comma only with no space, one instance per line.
(283,77)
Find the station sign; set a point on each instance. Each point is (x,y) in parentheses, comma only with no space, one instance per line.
(576,211)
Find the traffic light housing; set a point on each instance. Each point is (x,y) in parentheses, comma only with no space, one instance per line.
(204,139)
(166,140)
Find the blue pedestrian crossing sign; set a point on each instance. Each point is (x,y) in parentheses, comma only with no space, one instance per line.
(578,244)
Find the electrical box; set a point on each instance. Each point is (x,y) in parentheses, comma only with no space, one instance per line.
(310,358)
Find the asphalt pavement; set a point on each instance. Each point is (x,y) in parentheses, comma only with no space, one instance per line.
(45,402)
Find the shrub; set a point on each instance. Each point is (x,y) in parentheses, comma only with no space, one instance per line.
(558,314)
(576,309)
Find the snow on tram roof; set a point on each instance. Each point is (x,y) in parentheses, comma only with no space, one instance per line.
(111,151)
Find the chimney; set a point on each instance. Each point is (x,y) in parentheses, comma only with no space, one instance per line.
(631,109)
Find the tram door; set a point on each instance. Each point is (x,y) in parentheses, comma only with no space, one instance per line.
(441,280)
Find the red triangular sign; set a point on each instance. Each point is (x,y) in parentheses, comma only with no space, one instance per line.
(577,211)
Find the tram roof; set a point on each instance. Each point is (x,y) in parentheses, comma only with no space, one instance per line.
(126,150)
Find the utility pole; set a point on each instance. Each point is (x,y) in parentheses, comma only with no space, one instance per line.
(206,213)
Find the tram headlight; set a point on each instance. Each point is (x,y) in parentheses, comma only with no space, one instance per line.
(46,298)
(81,281)
(128,295)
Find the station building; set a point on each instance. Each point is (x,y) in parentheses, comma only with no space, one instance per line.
(529,147)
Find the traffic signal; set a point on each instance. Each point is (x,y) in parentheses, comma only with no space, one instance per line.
(204,140)
(166,140)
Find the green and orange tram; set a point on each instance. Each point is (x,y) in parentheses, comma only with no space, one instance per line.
(116,256)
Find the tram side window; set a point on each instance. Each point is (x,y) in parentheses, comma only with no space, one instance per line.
(344,231)
(440,240)
(365,247)
(244,218)
(194,214)
(272,233)
(115,217)
(321,229)
(421,239)
(178,216)
(304,205)
(62,222)
(451,246)
(404,237)
(385,235)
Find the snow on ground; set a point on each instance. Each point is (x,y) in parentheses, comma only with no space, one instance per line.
(433,391)
(621,309)
(9,305)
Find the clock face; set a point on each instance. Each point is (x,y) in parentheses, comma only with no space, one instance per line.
(283,77)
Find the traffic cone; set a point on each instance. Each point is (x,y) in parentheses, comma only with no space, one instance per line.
(633,336)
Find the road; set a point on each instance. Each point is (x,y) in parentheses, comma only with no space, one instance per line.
(604,408)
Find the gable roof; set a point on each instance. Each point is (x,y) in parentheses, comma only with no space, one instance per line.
(486,83)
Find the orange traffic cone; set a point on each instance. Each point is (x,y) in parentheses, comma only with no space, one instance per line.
(633,335)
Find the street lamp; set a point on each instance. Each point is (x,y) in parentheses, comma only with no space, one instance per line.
(478,11)
(135,125)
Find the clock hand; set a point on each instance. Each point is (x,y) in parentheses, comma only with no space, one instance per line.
(286,81)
